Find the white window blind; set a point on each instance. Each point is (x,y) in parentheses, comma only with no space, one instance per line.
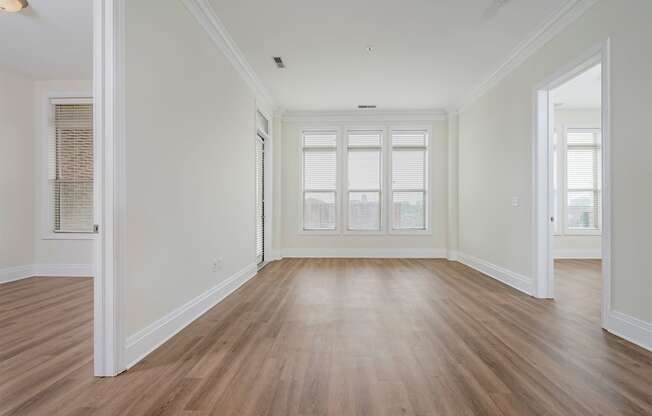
(409,179)
(583,179)
(260,200)
(70,166)
(319,180)
(364,154)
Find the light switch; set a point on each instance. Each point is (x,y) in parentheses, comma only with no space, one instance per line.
(516,201)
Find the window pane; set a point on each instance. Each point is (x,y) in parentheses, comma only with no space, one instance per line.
(584,137)
(364,169)
(320,139)
(581,209)
(582,168)
(365,138)
(71,168)
(408,210)
(409,138)
(364,210)
(555,182)
(319,211)
(320,170)
(408,169)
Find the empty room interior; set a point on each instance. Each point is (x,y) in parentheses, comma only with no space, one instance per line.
(246,207)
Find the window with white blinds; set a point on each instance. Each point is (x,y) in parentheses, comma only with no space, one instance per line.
(409,179)
(364,171)
(260,200)
(319,150)
(70,166)
(583,179)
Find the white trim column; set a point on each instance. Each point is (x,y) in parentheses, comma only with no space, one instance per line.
(110,181)
(452,235)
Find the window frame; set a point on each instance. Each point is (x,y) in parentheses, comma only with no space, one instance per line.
(346,191)
(427,230)
(563,155)
(48,134)
(338,177)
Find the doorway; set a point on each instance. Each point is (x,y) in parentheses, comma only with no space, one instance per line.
(572,185)
(260,200)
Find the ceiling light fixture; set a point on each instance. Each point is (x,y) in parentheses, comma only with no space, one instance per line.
(12,5)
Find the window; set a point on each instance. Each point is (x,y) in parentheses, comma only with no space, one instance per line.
(409,179)
(555,183)
(583,179)
(70,166)
(364,169)
(319,180)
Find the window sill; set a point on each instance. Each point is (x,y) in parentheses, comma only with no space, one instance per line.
(69,236)
(582,233)
(365,232)
(411,232)
(319,232)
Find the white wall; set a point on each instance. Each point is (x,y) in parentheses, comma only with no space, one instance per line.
(294,242)
(496,153)
(569,245)
(16,172)
(190,163)
(62,250)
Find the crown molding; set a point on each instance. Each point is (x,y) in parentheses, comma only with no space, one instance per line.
(566,15)
(202,11)
(364,116)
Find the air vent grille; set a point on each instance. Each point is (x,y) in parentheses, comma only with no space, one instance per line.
(279,62)
(366,106)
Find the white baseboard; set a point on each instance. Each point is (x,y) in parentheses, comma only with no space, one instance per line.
(369,253)
(508,277)
(452,255)
(632,329)
(143,342)
(11,274)
(64,270)
(45,270)
(274,255)
(577,254)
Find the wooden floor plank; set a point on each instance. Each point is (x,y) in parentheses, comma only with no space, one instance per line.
(337,337)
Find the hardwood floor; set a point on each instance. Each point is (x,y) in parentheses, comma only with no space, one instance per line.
(336,337)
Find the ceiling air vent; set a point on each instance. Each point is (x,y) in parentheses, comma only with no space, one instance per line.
(366,106)
(279,62)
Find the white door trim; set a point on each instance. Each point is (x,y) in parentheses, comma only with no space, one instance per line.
(110,181)
(542,226)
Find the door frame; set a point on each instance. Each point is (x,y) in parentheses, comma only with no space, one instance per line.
(542,151)
(110,185)
(268,177)
(261,138)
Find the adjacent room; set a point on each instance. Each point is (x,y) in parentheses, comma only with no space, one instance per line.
(245,207)
(577,192)
(46,197)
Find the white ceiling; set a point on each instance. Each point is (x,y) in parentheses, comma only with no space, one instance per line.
(51,39)
(582,92)
(428,53)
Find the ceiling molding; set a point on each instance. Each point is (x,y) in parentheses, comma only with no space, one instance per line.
(207,18)
(569,13)
(364,116)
